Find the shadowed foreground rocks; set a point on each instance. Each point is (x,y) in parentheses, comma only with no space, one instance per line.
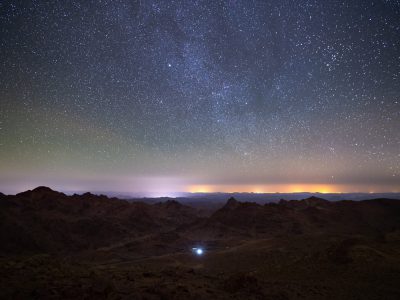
(55,246)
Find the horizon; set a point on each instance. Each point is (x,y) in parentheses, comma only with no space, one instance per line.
(176,195)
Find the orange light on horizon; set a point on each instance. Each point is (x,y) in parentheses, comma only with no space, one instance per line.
(200,189)
(280,188)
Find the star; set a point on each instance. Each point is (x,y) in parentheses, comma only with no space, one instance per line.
(156,96)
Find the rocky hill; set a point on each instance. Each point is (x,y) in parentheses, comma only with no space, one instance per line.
(43,220)
(309,216)
(55,246)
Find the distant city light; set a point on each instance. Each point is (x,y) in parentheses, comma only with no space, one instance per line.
(198,251)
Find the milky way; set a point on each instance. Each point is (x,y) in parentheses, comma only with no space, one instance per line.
(166,96)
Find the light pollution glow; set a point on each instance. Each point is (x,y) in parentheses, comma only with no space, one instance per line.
(173,187)
(289,188)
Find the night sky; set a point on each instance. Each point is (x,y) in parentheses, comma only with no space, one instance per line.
(157,97)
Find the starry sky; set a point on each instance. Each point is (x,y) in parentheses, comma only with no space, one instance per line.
(159,97)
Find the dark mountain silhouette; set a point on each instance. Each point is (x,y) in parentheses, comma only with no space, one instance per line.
(43,220)
(312,216)
(55,246)
(46,220)
(41,192)
(232,203)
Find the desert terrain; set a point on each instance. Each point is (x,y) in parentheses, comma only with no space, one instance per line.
(55,246)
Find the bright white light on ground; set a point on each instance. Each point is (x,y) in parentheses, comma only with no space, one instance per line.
(198,251)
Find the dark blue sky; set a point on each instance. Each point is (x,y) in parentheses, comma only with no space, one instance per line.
(164,96)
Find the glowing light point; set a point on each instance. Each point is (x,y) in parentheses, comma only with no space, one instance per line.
(198,251)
